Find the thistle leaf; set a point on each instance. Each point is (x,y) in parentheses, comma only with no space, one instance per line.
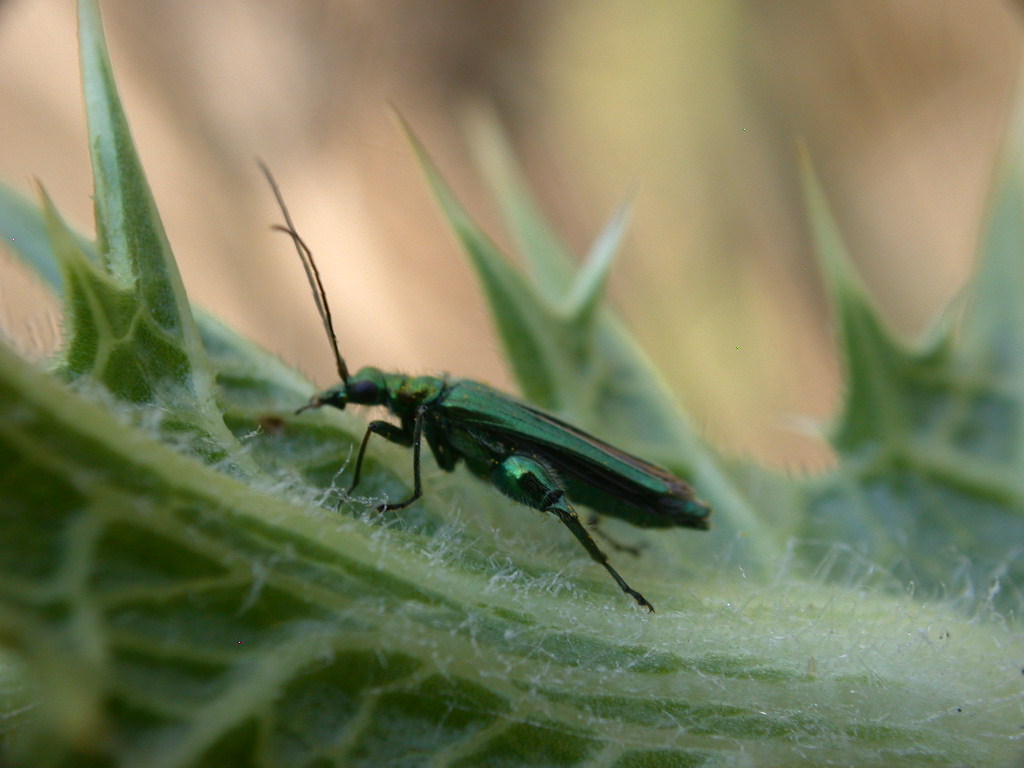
(168,615)
(548,261)
(929,488)
(131,327)
(587,292)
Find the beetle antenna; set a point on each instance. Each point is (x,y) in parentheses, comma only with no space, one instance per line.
(312,273)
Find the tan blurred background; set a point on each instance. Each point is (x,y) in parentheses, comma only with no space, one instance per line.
(697,104)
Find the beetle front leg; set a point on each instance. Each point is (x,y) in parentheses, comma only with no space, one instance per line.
(389,432)
(403,436)
(530,482)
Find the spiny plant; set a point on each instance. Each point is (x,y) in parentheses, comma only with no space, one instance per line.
(178,588)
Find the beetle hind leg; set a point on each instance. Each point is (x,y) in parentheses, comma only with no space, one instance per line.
(530,482)
(595,526)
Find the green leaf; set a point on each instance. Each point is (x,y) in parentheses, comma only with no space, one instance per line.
(584,299)
(130,327)
(169,615)
(246,375)
(992,332)
(549,261)
(929,489)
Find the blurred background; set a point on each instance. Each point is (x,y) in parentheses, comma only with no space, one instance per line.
(698,107)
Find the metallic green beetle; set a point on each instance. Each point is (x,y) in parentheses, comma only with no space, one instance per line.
(530,456)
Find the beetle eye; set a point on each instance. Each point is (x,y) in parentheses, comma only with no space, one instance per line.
(364,392)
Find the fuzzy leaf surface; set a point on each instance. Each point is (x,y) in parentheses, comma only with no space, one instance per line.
(170,615)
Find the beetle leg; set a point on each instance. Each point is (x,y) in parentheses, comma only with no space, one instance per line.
(401,436)
(530,482)
(417,486)
(389,432)
(595,525)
